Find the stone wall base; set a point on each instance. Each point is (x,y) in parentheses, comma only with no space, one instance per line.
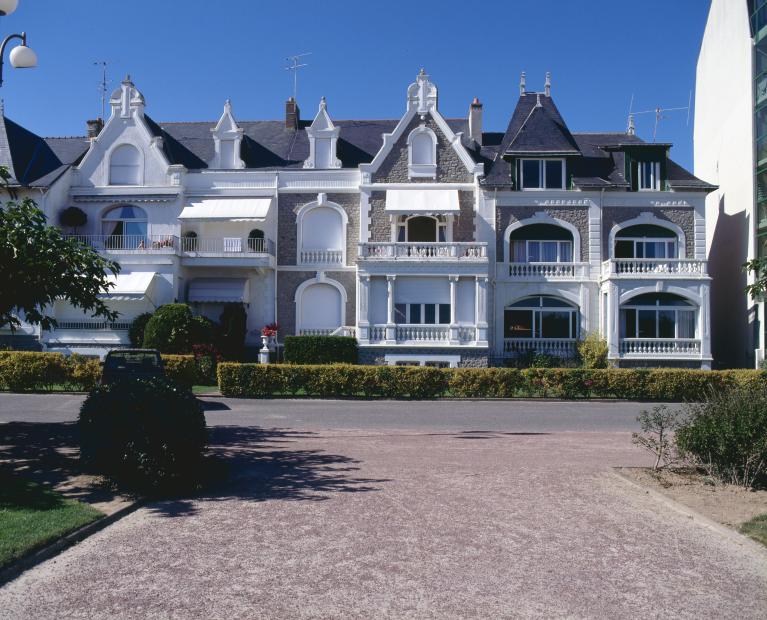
(694,364)
(470,358)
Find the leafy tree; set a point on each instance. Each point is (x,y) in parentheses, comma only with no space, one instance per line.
(38,266)
(757,266)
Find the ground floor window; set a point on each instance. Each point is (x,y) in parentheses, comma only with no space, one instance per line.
(657,315)
(541,317)
(422,314)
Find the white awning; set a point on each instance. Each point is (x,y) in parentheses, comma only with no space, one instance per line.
(218,290)
(227,209)
(130,286)
(404,201)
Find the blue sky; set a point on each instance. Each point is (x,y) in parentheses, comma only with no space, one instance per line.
(188,56)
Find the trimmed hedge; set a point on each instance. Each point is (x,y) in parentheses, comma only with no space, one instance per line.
(264,381)
(320,350)
(32,371)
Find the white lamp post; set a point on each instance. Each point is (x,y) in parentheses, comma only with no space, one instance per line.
(8,6)
(22,56)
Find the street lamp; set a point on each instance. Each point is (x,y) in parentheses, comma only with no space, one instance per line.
(22,57)
(8,6)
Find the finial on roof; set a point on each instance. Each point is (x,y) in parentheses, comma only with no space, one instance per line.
(323,103)
(538,103)
(422,71)
(127,78)
(522,84)
(631,129)
(547,87)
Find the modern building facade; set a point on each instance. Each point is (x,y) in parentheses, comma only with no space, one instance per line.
(731,153)
(429,239)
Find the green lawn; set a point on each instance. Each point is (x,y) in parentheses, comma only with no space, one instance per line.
(756,528)
(204,389)
(31,516)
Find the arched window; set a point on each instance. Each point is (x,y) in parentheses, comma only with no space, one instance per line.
(657,315)
(125,227)
(256,241)
(646,241)
(422,156)
(422,228)
(320,309)
(125,166)
(541,317)
(322,235)
(541,243)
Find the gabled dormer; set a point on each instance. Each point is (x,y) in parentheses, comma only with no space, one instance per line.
(323,141)
(227,139)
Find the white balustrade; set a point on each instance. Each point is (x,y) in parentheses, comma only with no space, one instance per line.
(224,245)
(377,333)
(346,330)
(130,244)
(439,251)
(558,347)
(93,325)
(467,334)
(422,333)
(321,257)
(661,347)
(534,271)
(654,267)
(316,332)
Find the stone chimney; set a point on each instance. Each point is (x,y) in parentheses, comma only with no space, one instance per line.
(94,127)
(292,114)
(475,121)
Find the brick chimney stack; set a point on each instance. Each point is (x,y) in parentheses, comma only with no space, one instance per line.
(292,114)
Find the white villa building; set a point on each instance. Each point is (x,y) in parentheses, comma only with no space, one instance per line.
(429,239)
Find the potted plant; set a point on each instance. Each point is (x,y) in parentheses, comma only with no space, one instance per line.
(269,336)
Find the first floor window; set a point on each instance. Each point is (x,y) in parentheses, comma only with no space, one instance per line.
(649,175)
(542,174)
(541,317)
(527,251)
(657,315)
(422,314)
(646,241)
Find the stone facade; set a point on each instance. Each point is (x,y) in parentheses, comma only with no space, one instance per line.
(289,281)
(507,215)
(380,221)
(684,217)
(450,168)
(470,358)
(664,363)
(287,229)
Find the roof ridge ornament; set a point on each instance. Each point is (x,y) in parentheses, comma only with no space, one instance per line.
(631,129)
(422,94)
(522,83)
(547,86)
(538,103)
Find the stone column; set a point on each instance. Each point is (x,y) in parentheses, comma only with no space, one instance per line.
(391,332)
(613,323)
(363,321)
(454,338)
(480,309)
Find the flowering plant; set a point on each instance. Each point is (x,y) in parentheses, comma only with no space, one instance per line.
(269,330)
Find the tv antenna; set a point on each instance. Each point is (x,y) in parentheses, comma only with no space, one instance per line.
(294,66)
(103,86)
(660,114)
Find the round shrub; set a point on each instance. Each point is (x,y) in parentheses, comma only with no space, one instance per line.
(137,327)
(146,434)
(171,329)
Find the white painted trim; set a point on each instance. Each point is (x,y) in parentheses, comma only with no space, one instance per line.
(542,217)
(660,287)
(649,218)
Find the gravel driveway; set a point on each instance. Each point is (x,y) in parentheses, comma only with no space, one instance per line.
(406,524)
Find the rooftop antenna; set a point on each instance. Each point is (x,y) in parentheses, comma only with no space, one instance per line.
(659,114)
(294,66)
(103,86)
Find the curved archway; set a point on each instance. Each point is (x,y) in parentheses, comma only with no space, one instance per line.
(124,227)
(125,165)
(321,232)
(320,306)
(256,240)
(657,315)
(650,219)
(542,218)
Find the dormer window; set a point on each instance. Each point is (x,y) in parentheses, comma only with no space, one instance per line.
(538,174)
(649,175)
(422,157)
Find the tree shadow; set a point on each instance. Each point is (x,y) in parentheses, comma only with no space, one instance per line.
(257,464)
(494,434)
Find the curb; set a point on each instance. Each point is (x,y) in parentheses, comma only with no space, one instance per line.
(732,535)
(33,558)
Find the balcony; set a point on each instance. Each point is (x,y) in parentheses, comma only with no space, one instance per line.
(224,246)
(184,246)
(92,325)
(659,347)
(321,257)
(424,252)
(557,347)
(130,244)
(548,271)
(424,335)
(654,268)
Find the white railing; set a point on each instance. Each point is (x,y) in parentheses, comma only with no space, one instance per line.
(321,257)
(558,347)
(224,245)
(316,332)
(535,271)
(422,333)
(135,244)
(94,325)
(346,330)
(423,251)
(660,347)
(377,333)
(633,267)
(467,334)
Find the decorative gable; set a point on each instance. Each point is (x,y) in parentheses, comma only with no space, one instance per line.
(323,141)
(227,139)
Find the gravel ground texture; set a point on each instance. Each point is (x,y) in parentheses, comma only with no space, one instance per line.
(405,524)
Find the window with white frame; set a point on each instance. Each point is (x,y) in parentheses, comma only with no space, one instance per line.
(541,243)
(422,228)
(541,174)
(125,227)
(422,314)
(649,175)
(657,315)
(422,152)
(646,241)
(541,317)
(125,166)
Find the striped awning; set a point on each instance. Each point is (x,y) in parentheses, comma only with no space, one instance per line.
(130,286)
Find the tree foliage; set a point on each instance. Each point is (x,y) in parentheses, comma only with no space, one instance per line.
(757,266)
(38,266)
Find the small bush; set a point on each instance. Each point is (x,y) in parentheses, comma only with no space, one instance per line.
(181,369)
(727,435)
(27,371)
(171,329)
(592,351)
(147,434)
(658,427)
(320,350)
(136,329)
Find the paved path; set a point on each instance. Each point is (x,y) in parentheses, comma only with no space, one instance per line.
(413,523)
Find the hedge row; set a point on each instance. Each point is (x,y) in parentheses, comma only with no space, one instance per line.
(29,371)
(320,350)
(263,381)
